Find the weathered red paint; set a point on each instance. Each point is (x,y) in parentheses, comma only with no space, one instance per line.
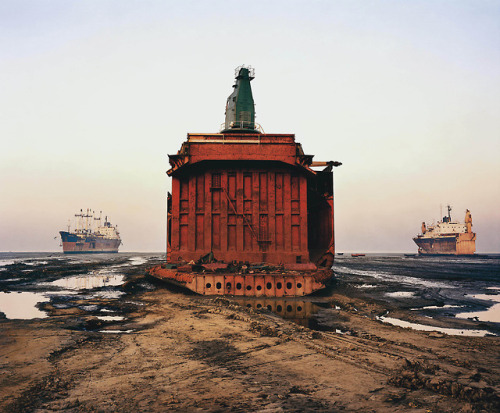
(276,283)
(240,198)
(245,197)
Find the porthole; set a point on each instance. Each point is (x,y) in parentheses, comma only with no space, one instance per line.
(278,285)
(208,285)
(238,286)
(269,286)
(289,308)
(299,285)
(218,286)
(279,308)
(288,285)
(259,287)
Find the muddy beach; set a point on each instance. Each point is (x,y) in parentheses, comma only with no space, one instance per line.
(142,346)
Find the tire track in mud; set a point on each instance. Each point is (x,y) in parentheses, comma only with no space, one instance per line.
(56,385)
(403,365)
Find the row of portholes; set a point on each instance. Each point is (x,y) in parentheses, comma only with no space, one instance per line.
(279,308)
(269,286)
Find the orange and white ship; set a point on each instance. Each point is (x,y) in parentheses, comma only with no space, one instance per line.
(447,237)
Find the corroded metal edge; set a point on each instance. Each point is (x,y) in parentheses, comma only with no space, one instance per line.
(272,284)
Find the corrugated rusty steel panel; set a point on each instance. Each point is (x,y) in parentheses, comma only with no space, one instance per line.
(245,214)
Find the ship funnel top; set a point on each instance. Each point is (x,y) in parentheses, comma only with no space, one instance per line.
(240,108)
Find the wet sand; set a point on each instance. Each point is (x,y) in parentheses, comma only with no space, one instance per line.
(181,352)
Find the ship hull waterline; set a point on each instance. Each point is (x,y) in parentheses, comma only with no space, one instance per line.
(90,252)
(74,244)
(455,245)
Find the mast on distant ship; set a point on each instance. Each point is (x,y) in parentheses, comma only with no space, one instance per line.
(448,218)
(79,218)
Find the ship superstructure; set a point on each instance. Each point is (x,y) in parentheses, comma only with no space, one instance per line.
(91,235)
(447,237)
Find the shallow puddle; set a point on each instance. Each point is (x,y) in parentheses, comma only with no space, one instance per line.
(3,263)
(423,327)
(110,295)
(401,294)
(33,263)
(137,261)
(436,307)
(91,307)
(22,305)
(111,318)
(492,314)
(89,281)
(116,331)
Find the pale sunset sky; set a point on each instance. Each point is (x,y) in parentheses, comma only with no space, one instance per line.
(95,93)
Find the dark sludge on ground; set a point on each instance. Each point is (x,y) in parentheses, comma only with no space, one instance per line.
(177,351)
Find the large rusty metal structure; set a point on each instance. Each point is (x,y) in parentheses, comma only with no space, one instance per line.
(253,205)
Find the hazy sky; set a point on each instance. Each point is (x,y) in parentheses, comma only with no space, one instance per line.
(95,94)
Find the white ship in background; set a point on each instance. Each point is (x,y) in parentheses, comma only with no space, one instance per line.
(447,237)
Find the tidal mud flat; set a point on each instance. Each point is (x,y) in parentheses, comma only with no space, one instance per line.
(113,340)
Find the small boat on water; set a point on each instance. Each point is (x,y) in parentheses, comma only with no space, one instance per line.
(340,253)
(358,255)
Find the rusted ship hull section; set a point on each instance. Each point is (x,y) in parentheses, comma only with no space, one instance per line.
(250,210)
(265,284)
(249,198)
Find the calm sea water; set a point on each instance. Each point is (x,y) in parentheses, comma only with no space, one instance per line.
(444,288)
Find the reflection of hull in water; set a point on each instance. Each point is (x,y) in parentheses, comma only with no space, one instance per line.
(299,312)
